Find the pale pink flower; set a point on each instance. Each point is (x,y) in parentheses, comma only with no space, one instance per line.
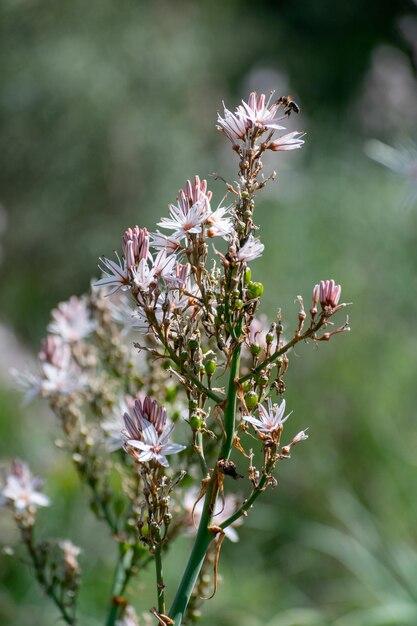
(251,250)
(135,244)
(22,489)
(164,242)
(71,320)
(270,420)
(195,191)
(233,125)
(218,225)
(116,275)
(261,113)
(143,276)
(145,410)
(290,141)
(154,447)
(71,552)
(329,293)
(184,222)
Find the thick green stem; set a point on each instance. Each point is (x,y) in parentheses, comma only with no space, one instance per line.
(230,410)
(160,585)
(204,535)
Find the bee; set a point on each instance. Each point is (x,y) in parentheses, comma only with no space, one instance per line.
(289,105)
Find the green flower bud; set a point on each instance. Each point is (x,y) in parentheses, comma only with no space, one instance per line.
(251,400)
(195,422)
(255,349)
(184,355)
(239,304)
(269,337)
(263,379)
(255,290)
(210,366)
(192,344)
(192,404)
(248,275)
(246,386)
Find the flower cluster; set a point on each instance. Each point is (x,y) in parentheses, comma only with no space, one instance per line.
(171,337)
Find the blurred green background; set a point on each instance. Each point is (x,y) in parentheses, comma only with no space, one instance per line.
(106,108)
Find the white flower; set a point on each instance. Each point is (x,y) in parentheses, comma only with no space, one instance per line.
(71,320)
(164,264)
(154,447)
(116,275)
(165,242)
(71,552)
(218,225)
(23,489)
(269,421)
(251,250)
(183,221)
(260,112)
(233,125)
(143,276)
(290,141)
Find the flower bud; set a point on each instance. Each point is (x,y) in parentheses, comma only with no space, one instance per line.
(246,386)
(255,290)
(255,349)
(248,275)
(239,304)
(195,422)
(210,366)
(251,400)
(192,404)
(192,344)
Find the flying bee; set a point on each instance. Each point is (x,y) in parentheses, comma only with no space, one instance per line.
(289,105)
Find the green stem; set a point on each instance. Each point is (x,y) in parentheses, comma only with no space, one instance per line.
(230,410)
(247,504)
(160,586)
(198,447)
(121,578)
(204,535)
(313,329)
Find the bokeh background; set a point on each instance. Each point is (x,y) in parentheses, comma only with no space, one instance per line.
(106,108)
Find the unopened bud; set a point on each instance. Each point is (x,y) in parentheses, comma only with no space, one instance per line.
(248,275)
(251,400)
(195,422)
(192,344)
(210,366)
(255,349)
(255,290)
(246,386)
